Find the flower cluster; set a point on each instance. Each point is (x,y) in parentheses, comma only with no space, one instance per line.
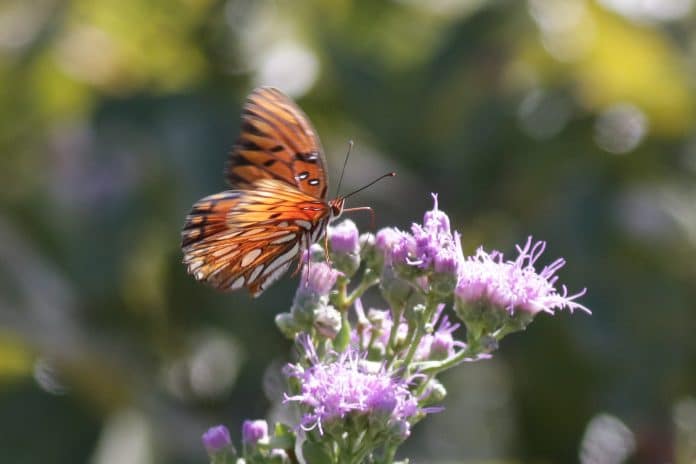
(515,285)
(350,389)
(362,379)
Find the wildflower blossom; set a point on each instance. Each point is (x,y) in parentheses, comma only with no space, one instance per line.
(436,247)
(254,431)
(317,279)
(440,344)
(344,241)
(402,248)
(359,404)
(515,285)
(349,386)
(385,240)
(216,439)
(343,238)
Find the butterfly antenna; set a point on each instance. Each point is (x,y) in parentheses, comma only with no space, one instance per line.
(345,162)
(389,174)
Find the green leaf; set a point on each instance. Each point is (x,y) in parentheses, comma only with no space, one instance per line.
(283,437)
(316,453)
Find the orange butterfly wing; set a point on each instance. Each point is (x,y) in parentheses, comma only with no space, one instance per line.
(249,237)
(277,141)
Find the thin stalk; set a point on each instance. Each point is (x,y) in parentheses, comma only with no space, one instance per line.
(418,334)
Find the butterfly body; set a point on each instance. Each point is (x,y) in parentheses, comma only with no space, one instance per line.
(250,235)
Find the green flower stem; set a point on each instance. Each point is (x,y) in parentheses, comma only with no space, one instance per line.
(389,453)
(390,348)
(431,368)
(342,340)
(370,279)
(341,298)
(431,306)
(421,388)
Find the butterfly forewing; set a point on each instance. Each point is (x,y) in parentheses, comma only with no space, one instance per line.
(277,141)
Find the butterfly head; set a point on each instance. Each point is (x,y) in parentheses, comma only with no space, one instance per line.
(336,206)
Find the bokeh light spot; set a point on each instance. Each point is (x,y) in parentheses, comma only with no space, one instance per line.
(620,128)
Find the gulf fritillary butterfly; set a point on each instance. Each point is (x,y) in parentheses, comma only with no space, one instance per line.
(249,236)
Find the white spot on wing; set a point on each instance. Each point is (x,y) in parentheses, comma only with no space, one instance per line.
(284,258)
(275,275)
(250,257)
(304,224)
(255,273)
(238,283)
(283,239)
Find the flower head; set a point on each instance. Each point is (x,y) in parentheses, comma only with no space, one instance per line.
(318,278)
(254,431)
(216,439)
(515,285)
(396,246)
(385,239)
(436,247)
(349,386)
(344,237)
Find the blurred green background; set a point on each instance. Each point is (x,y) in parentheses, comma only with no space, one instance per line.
(571,120)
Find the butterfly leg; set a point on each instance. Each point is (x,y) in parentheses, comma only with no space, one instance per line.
(326,248)
(301,255)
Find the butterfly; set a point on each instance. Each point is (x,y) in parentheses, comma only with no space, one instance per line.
(249,236)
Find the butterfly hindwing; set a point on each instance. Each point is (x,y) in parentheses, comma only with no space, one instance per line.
(249,238)
(277,141)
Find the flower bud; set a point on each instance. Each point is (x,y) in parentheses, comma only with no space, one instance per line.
(442,346)
(369,252)
(312,293)
(347,263)
(316,254)
(343,238)
(376,351)
(254,432)
(479,318)
(287,325)
(385,240)
(327,321)
(400,430)
(435,392)
(216,440)
(395,290)
(345,247)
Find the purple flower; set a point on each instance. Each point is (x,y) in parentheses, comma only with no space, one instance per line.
(344,237)
(386,239)
(216,439)
(318,278)
(396,246)
(436,247)
(254,431)
(348,386)
(515,285)
(440,344)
